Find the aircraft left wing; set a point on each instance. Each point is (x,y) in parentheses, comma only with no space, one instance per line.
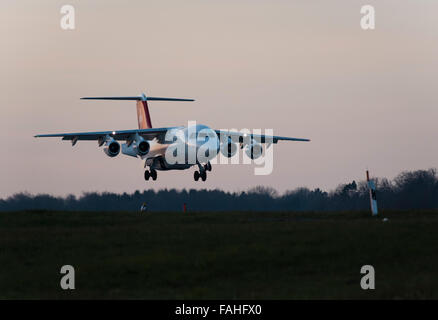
(240,137)
(147,134)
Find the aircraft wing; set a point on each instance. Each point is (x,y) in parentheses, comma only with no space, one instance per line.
(159,133)
(147,134)
(240,137)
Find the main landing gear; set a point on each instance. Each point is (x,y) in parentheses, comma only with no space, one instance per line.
(150,174)
(202,173)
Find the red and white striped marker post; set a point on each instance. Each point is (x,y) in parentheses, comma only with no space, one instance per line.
(373,197)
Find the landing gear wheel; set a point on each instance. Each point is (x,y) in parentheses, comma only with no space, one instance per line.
(147,175)
(196,175)
(154,174)
(208,166)
(204,175)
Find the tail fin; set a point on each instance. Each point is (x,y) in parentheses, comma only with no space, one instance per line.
(143,116)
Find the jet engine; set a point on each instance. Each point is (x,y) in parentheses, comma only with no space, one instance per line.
(229,148)
(143,147)
(112,148)
(138,147)
(254,150)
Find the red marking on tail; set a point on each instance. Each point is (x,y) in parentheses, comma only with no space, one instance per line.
(143,116)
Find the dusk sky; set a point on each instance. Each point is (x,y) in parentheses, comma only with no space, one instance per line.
(366,99)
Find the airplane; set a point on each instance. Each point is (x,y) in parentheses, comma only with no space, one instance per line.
(153,144)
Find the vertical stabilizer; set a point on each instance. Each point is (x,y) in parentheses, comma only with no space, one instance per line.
(143,116)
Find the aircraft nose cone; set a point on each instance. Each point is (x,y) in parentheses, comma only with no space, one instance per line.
(207,144)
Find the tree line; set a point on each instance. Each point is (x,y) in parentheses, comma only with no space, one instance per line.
(409,190)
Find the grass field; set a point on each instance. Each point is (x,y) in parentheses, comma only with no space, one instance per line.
(218,255)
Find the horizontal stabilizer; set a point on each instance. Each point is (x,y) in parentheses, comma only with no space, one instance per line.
(138,98)
(143,116)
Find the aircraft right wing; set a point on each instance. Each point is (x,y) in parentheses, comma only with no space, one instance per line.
(148,134)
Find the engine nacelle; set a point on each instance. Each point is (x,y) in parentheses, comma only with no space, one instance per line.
(142,147)
(229,148)
(112,148)
(254,150)
(138,147)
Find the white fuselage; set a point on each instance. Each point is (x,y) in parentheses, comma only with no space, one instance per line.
(182,148)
